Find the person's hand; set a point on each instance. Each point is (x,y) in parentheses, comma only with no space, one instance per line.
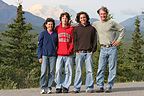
(40,60)
(115,43)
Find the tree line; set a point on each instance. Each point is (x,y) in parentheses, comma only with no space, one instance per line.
(19,67)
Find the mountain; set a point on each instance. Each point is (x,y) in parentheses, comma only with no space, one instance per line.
(8,13)
(35,15)
(93,20)
(50,11)
(38,13)
(129,25)
(53,11)
(69,10)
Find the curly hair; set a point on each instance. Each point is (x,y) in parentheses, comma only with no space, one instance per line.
(66,14)
(78,17)
(49,20)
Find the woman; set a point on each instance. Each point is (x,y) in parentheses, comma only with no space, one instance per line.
(47,46)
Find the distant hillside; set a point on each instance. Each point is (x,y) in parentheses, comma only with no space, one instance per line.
(3,27)
(129,25)
(38,10)
(92,20)
(8,13)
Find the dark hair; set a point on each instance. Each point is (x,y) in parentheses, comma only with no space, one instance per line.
(49,20)
(104,9)
(66,14)
(78,16)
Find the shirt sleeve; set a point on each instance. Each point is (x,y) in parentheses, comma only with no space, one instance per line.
(95,26)
(40,44)
(75,40)
(94,40)
(119,28)
(71,43)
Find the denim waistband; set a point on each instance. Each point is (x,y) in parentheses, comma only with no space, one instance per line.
(107,46)
(84,51)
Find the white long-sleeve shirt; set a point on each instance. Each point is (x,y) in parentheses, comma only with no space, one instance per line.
(107,31)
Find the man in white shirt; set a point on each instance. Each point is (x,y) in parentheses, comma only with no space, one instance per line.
(107,33)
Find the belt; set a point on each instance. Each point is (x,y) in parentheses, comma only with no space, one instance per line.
(107,46)
(84,51)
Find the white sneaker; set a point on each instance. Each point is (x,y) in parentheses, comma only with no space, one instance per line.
(49,91)
(43,91)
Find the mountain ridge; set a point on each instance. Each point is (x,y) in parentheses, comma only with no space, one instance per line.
(37,21)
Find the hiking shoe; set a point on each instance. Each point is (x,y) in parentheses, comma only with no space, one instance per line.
(43,91)
(89,91)
(76,91)
(65,90)
(58,90)
(49,91)
(108,90)
(101,89)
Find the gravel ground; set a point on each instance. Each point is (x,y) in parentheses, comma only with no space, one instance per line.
(119,89)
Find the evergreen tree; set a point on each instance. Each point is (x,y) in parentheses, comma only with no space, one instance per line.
(135,52)
(124,69)
(109,16)
(20,48)
(0,52)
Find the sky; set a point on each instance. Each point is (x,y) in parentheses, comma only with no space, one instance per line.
(120,9)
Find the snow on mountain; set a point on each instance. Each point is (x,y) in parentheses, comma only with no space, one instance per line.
(46,11)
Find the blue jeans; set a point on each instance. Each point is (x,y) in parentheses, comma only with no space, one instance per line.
(48,64)
(107,56)
(80,59)
(63,81)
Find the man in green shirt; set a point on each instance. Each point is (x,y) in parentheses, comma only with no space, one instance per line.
(109,40)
